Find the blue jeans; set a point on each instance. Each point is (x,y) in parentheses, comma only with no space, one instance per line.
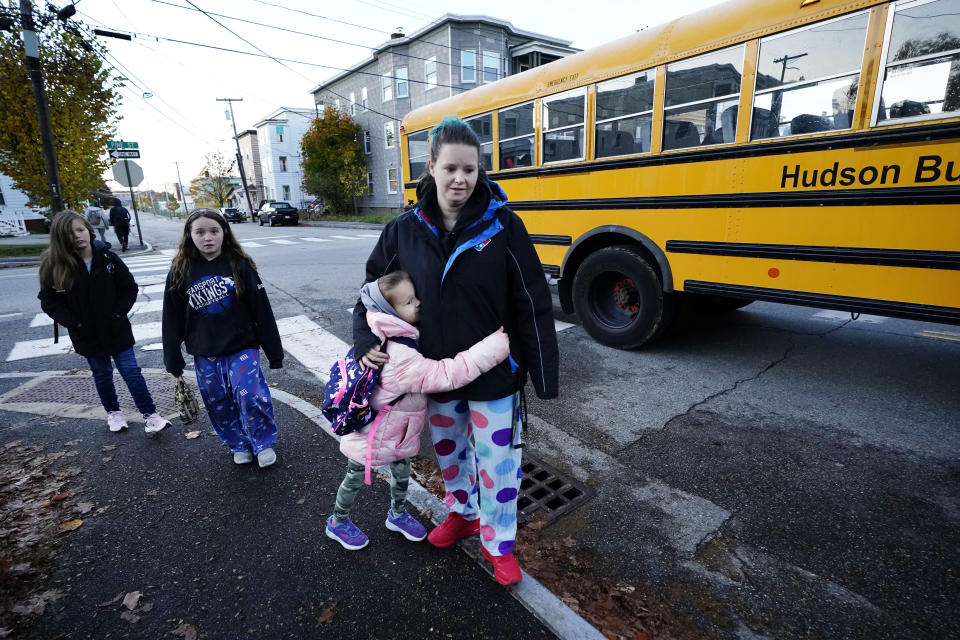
(130,372)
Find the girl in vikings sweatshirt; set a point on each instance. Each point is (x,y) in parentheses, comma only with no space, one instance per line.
(392,311)
(215,302)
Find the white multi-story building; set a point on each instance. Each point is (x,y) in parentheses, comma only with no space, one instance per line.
(11,199)
(278,142)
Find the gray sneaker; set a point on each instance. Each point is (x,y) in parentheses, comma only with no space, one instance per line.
(266,458)
(242,457)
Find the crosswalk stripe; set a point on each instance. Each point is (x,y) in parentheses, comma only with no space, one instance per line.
(142,261)
(315,348)
(152,279)
(153,288)
(316,239)
(159,267)
(369,235)
(147,306)
(282,242)
(349,237)
(251,244)
(38,348)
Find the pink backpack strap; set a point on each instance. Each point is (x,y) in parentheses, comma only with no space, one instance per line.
(343,381)
(371,435)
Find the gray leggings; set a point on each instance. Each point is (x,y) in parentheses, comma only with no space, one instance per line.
(347,494)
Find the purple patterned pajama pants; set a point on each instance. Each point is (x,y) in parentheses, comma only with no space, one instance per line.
(474,442)
(237,399)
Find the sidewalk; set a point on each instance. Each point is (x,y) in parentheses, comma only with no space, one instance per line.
(232,551)
(43,238)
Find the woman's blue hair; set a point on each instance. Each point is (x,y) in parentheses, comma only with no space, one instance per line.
(451,130)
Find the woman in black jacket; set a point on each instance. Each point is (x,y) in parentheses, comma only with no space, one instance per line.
(474,269)
(89,290)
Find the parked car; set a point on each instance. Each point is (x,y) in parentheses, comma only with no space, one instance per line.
(277,213)
(233,215)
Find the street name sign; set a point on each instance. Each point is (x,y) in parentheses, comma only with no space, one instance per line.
(124,153)
(121,144)
(129,176)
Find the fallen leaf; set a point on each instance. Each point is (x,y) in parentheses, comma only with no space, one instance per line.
(152,493)
(130,616)
(146,608)
(185,631)
(84,507)
(190,435)
(592,483)
(109,447)
(301,500)
(101,510)
(110,603)
(131,600)
(326,615)
(71,443)
(537,525)
(107,459)
(60,496)
(70,525)
(15,443)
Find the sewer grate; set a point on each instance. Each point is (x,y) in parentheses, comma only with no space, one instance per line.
(80,391)
(543,488)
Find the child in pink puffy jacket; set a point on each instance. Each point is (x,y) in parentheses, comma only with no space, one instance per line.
(392,312)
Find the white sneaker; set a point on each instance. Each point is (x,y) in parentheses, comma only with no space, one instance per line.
(155,423)
(266,458)
(116,421)
(242,457)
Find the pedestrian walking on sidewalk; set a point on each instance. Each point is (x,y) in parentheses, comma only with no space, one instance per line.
(392,311)
(120,219)
(86,288)
(215,302)
(474,269)
(98,218)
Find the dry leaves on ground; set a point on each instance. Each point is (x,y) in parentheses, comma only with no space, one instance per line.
(190,435)
(185,631)
(70,525)
(132,599)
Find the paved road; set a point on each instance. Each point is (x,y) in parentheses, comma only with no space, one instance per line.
(781,472)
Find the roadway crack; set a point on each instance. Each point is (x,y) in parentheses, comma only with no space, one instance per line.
(318,313)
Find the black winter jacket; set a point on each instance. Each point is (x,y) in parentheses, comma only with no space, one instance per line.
(482,275)
(119,217)
(209,316)
(94,310)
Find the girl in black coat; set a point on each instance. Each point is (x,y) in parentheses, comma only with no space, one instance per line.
(89,290)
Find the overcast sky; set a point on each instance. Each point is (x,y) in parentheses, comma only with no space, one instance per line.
(182,121)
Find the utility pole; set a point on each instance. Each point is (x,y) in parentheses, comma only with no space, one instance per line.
(183,194)
(31,46)
(236,138)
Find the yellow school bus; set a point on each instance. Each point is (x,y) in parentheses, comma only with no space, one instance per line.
(795,151)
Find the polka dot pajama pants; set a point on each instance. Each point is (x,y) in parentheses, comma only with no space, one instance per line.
(481,468)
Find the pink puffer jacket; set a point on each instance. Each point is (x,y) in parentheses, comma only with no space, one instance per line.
(408,372)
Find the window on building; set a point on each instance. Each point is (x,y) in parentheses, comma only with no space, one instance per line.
(393,183)
(483,127)
(430,73)
(280,134)
(418,150)
(336,105)
(283,163)
(403,86)
(807,79)
(701,94)
(369,183)
(624,115)
(564,116)
(491,66)
(353,103)
(922,78)
(1,197)
(363,98)
(516,136)
(366,141)
(321,107)
(386,87)
(468,67)
(286,192)
(388,139)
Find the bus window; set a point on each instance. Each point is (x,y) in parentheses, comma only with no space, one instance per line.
(563,126)
(516,136)
(702,95)
(483,127)
(923,61)
(418,150)
(624,115)
(807,78)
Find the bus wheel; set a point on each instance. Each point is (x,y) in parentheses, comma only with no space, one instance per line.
(618,298)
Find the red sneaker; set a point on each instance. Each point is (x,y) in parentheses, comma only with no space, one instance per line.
(505,568)
(452,529)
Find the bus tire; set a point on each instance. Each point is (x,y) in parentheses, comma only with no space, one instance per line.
(619,298)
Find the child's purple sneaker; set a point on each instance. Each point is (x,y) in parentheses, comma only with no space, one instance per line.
(347,534)
(407,525)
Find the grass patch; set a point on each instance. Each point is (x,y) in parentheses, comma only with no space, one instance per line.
(21,250)
(378,218)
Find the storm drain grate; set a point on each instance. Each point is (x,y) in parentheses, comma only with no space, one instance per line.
(543,488)
(80,390)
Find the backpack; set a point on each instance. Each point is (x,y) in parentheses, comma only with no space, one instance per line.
(93,216)
(346,396)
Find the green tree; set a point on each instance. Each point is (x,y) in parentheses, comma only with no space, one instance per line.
(214,186)
(334,164)
(82,97)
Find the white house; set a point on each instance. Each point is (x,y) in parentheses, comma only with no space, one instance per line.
(15,215)
(11,199)
(278,141)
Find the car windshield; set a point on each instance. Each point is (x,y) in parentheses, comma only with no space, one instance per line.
(281,204)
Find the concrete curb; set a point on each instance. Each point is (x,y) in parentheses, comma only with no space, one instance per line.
(536,598)
(32,261)
(343,225)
